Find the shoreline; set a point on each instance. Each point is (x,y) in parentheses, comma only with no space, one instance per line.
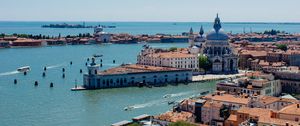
(198,78)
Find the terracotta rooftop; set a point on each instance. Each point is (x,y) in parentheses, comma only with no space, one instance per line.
(278,122)
(259,112)
(175,116)
(264,63)
(232,117)
(254,53)
(228,98)
(27,40)
(293,109)
(173,55)
(215,104)
(269,99)
(135,68)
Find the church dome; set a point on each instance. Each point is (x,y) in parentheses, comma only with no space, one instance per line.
(217,33)
(220,35)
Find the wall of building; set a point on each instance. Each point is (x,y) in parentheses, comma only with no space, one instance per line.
(131,79)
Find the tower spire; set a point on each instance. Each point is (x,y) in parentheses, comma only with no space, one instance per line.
(201,31)
(217,24)
(191,30)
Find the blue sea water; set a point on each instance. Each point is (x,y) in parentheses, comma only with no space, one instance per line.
(27,105)
(142,27)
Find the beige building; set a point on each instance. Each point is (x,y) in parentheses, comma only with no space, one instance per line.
(180,58)
(264,84)
(211,111)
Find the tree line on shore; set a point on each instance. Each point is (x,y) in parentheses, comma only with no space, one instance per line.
(40,36)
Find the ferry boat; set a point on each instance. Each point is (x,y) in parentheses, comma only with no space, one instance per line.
(24,69)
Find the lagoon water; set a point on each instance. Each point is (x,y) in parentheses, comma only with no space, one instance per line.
(142,27)
(24,104)
(27,105)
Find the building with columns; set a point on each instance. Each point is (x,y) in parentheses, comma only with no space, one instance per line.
(219,51)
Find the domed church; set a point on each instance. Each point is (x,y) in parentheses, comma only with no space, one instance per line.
(218,50)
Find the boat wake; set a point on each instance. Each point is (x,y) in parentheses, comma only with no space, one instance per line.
(179,94)
(56,66)
(9,73)
(161,101)
(148,104)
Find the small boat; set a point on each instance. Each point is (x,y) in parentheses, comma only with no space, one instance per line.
(171,102)
(24,69)
(204,93)
(96,55)
(167,96)
(129,108)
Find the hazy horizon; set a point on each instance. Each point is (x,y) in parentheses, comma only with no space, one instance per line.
(151,11)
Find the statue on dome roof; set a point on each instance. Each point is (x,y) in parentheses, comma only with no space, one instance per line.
(217,24)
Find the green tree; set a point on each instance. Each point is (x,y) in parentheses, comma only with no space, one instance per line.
(204,63)
(282,47)
(173,49)
(2,35)
(181,123)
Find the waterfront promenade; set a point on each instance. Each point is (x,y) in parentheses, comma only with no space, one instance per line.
(210,77)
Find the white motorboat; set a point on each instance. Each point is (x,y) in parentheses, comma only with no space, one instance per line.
(24,69)
(129,108)
(167,96)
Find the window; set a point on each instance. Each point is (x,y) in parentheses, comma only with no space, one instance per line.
(98,82)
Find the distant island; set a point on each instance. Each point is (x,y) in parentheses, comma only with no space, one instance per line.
(65,25)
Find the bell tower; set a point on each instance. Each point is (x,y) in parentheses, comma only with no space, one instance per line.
(191,38)
(93,68)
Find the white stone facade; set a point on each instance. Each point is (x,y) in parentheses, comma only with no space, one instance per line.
(219,51)
(133,75)
(177,59)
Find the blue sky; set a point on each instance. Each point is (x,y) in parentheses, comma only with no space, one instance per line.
(151,10)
